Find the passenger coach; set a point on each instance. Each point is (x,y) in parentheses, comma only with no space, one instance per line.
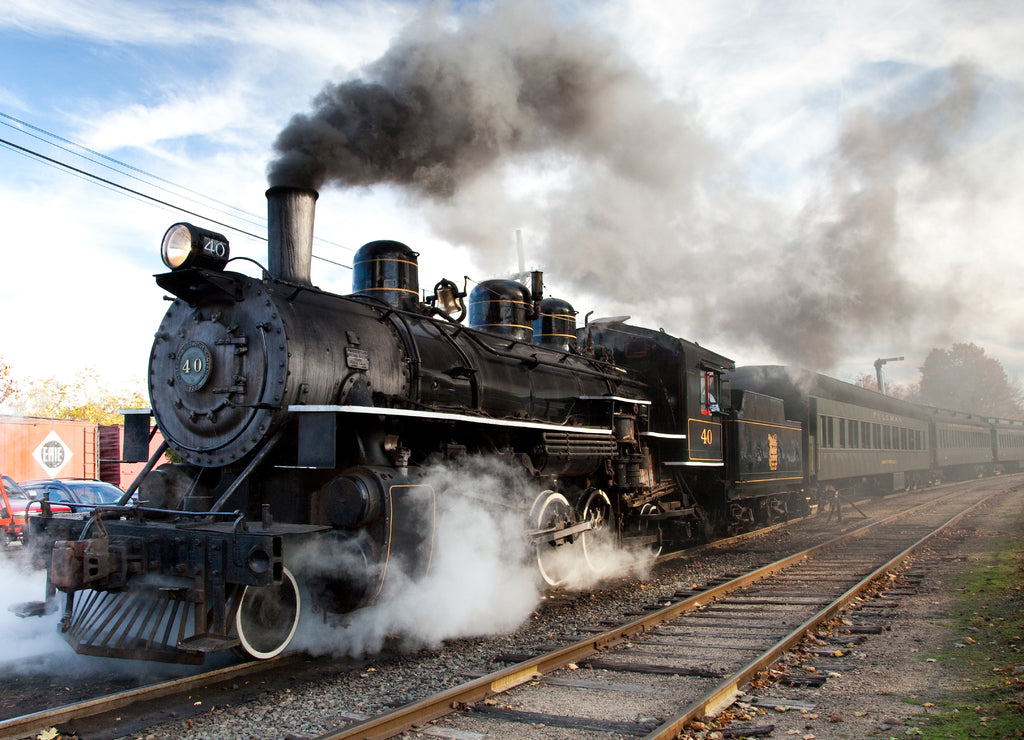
(855,438)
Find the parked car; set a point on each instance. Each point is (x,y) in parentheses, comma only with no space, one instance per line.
(15,505)
(79,493)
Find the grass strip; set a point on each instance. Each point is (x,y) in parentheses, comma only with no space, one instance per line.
(986,650)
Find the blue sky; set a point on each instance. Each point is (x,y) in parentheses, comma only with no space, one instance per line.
(822,141)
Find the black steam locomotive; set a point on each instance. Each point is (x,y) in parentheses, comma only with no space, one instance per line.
(302,422)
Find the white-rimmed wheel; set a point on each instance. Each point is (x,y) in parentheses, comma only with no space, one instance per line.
(643,536)
(550,512)
(267,617)
(597,510)
(651,527)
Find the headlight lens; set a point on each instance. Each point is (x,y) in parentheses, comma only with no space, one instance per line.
(176,246)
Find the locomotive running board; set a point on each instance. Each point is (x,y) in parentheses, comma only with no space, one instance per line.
(145,624)
(446,416)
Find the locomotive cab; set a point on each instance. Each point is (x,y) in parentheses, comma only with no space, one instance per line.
(684,378)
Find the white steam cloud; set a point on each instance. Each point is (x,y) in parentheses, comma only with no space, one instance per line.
(34,645)
(483,577)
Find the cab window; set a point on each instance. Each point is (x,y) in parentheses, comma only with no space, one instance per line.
(708,392)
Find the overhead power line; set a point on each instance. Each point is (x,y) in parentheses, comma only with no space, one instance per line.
(127,170)
(119,186)
(56,137)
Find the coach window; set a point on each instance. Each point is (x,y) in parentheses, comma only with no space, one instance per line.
(842,432)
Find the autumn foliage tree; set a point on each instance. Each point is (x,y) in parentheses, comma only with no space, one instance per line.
(86,398)
(895,390)
(964,378)
(8,388)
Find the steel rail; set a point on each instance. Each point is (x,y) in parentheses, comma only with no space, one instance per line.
(419,713)
(726,692)
(32,724)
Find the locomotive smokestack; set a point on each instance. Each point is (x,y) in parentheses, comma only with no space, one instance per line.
(290,213)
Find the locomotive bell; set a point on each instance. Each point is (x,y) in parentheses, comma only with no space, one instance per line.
(387,271)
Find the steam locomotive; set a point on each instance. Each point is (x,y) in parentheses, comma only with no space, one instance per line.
(302,424)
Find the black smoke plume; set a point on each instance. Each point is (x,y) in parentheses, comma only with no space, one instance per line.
(518,119)
(443,106)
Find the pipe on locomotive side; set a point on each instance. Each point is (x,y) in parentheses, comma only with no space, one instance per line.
(290,215)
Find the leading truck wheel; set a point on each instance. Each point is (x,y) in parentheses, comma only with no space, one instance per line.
(267,617)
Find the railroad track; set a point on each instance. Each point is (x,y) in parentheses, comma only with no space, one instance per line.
(30,725)
(696,653)
(695,635)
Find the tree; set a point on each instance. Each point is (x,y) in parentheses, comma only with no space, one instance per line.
(869,381)
(964,378)
(86,398)
(8,388)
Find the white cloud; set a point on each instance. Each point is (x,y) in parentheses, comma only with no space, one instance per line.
(772,83)
(140,126)
(74,305)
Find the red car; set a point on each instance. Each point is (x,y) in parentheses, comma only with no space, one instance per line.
(14,507)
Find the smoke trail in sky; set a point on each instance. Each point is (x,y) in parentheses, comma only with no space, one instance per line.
(517,116)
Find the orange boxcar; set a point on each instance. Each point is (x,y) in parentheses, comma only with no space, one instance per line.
(33,447)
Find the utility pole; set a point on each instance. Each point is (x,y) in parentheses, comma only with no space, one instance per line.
(878,370)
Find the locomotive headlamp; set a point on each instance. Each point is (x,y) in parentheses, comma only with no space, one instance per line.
(185,245)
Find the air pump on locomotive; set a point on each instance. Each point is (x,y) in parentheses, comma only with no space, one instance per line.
(302,422)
